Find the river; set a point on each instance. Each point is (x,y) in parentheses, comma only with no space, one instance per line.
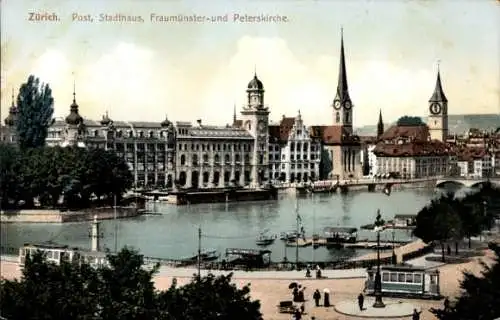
(174,232)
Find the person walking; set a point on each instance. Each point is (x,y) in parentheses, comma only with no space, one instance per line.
(361,301)
(317,297)
(326,302)
(416,314)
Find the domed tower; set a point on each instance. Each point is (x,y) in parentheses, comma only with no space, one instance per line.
(168,133)
(255,119)
(109,131)
(11,120)
(74,125)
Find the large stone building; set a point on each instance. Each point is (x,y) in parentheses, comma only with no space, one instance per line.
(420,150)
(294,155)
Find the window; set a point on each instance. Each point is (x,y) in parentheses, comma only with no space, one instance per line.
(409,277)
(394,277)
(385,276)
(183,160)
(337,117)
(417,278)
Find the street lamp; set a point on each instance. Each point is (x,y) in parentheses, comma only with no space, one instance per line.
(379,222)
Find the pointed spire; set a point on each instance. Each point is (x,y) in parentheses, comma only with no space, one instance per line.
(255,70)
(13,104)
(438,94)
(342,88)
(234,113)
(74,89)
(380,125)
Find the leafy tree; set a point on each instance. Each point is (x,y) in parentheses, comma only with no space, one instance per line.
(122,290)
(410,121)
(480,295)
(439,221)
(210,298)
(36,106)
(9,179)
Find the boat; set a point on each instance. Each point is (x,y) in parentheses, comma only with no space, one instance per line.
(209,255)
(336,235)
(290,235)
(323,187)
(205,255)
(265,239)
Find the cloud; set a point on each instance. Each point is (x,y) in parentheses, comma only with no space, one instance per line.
(290,84)
(310,85)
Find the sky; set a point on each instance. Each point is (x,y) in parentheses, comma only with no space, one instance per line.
(143,71)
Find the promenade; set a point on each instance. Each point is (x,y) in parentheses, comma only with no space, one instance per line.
(270,287)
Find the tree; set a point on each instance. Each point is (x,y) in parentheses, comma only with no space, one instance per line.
(225,301)
(439,221)
(9,179)
(480,294)
(36,106)
(122,290)
(410,121)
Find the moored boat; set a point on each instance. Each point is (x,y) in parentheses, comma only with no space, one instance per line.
(265,239)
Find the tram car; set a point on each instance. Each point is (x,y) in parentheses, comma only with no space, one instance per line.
(405,281)
(56,253)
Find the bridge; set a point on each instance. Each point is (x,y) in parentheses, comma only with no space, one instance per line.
(467,182)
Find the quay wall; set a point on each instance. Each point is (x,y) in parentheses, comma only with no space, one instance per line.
(221,196)
(57,216)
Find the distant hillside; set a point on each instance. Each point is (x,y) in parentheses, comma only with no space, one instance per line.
(457,123)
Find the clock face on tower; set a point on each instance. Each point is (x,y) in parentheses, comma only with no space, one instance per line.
(336,104)
(347,105)
(261,126)
(435,108)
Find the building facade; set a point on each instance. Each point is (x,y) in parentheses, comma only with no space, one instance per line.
(294,156)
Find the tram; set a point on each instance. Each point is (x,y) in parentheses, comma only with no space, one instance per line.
(57,253)
(405,281)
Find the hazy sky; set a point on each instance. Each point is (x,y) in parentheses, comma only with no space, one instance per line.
(142,71)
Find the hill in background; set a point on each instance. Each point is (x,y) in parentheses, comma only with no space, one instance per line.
(457,123)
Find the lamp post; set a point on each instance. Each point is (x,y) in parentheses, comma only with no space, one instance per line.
(379,222)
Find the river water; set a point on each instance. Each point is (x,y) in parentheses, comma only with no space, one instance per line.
(174,232)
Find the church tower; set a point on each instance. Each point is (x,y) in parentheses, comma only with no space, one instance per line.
(255,119)
(438,113)
(342,104)
(74,130)
(380,125)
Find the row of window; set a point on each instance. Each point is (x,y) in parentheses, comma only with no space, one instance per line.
(216,159)
(246,147)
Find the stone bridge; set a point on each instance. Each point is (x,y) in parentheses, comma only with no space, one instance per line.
(467,182)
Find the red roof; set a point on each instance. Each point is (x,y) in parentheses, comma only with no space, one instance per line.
(412,149)
(417,133)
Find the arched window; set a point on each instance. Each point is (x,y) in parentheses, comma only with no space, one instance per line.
(337,117)
(205,158)
(183,160)
(216,158)
(237,158)
(227,159)
(195,160)
(346,117)
(247,158)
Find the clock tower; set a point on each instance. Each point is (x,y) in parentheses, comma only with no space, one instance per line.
(255,119)
(342,104)
(438,113)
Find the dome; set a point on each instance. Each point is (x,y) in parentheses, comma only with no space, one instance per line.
(74,118)
(105,120)
(255,84)
(166,123)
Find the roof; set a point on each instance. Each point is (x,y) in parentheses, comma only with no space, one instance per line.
(339,229)
(470,154)
(420,133)
(246,252)
(412,149)
(255,83)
